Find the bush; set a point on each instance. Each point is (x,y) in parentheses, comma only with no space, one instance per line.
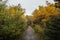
(52,31)
(12,27)
(39,32)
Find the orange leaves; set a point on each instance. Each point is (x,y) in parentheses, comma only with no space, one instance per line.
(45,12)
(12,10)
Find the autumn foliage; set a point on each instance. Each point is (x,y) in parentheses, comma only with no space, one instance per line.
(48,19)
(12,23)
(45,22)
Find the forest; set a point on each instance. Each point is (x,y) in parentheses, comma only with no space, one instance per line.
(45,21)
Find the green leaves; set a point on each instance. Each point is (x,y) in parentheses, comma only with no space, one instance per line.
(38,29)
(53,28)
(12,25)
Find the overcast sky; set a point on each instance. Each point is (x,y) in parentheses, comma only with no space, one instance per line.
(28,5)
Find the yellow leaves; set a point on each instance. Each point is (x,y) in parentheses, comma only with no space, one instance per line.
(12,10)
(22,16)
(45,13)
(39,29)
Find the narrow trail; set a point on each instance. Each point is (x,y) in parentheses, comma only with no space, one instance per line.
(30,35)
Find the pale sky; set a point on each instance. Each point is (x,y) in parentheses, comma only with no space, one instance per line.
(28,5)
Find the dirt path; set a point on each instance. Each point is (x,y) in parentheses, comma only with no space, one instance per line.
(29,35)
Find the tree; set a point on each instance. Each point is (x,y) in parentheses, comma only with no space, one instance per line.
(43,13)
(52,30)
(12,25)
(48,19)
(57,3)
